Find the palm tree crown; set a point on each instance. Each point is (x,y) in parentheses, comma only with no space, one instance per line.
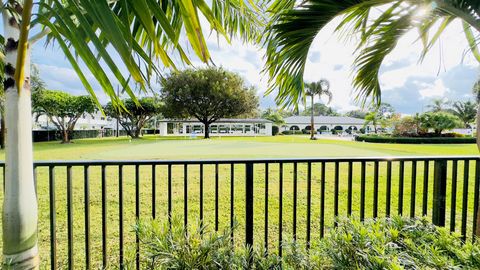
(294,26)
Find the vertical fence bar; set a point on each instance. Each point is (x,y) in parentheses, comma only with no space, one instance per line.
(86,184)
(280,208)
(104,218)
(154,191)
(169,194)
(453,203)
(232,199)
(475,200)
(137,214)
(362,190)
(295,172)
(185,196)
(375,189)
(466,170)
(120,216)
(426,169)
(439,192)
(216,197)
(53,228)
(350,188)
(335,195)
(322,201)
(401,175)
(70,217)
(266,208)
(309,201)
(249,204)
(413,189)
(201,195)
(388,192)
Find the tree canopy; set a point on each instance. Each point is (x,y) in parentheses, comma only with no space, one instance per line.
(62,109)
(207,94)
(134,116)
(466,111)
(439,121)
(319,109)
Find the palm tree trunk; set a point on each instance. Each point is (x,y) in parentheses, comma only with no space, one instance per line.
(312,122)
(20,214)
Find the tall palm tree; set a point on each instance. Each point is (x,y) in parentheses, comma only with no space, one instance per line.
(379,24)
(438,105)
(466,111)
(320,88)
(143,34)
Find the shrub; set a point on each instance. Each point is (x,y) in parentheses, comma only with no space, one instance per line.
(396,243)
(386,243)
(407,126)
(292,132)
(275,130)
(439,121)
(415,140)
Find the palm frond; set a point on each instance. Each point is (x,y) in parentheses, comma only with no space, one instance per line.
(144,34)
(289,38)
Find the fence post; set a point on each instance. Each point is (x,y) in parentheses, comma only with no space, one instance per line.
(249,204)
(439,192)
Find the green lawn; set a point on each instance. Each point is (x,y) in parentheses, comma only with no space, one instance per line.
(151,147)
(219,148)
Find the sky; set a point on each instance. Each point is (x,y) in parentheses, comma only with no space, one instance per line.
(448,72)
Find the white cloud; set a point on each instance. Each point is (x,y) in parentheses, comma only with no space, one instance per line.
(329,58)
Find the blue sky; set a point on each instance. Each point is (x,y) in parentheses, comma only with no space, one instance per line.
(448,72)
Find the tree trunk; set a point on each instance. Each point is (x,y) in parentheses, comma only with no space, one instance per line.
(312,123)
(65,136)
(207,131)
(2,132)
(20,213)
(136,133)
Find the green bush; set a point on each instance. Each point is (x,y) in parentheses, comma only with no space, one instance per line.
(397,243)
(292,132)
(275,130)
(414,140)
(388,243)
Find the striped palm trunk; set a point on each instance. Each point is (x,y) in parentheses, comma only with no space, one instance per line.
(20,213)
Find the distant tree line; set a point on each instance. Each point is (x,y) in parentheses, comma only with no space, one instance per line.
(204,94)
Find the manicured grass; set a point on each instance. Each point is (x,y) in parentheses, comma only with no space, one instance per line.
(151,147)
(220,148)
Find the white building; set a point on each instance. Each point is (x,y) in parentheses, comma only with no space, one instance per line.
(95,121)
(325,123)
(222,127)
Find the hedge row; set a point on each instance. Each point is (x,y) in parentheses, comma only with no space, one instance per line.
(414,140)
(54,135)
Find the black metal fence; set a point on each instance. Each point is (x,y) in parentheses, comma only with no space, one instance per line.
(88,208)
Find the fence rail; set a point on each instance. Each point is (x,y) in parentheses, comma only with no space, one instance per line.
(91,206)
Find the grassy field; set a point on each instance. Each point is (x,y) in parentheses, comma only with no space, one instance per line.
(151,147)
(219,148)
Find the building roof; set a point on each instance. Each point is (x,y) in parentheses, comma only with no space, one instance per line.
(338,120)
(221,120)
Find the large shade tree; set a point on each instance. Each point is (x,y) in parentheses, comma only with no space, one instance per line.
(141,34)
(62,109)
(378,24)
(134,117)
(320,88)
(207,94)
